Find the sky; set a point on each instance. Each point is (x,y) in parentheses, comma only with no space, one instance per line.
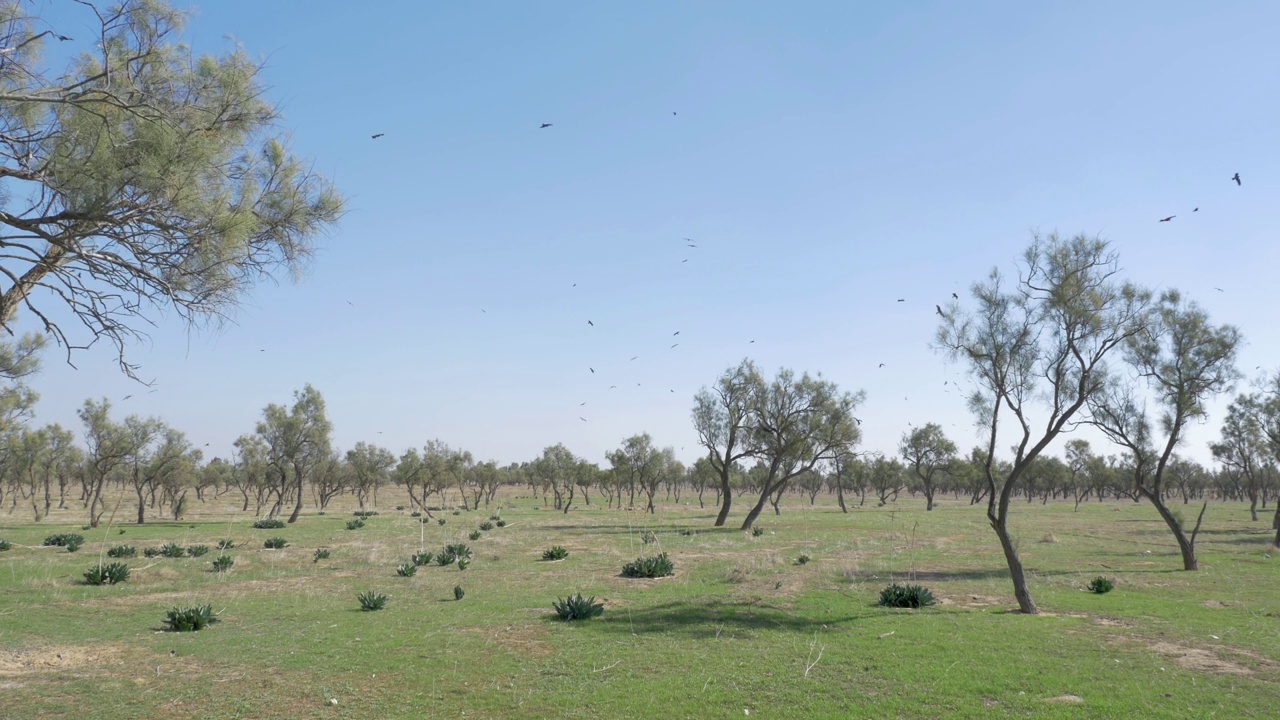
(827,158)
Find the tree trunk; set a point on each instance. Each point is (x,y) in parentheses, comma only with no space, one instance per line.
(141,507)
(726,499)
(755,511)
(840,496)
(297,509)
(1020,591)
(928,496)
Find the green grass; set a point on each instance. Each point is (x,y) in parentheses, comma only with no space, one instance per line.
(734,630)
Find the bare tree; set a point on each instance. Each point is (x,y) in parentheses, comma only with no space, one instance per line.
(1043,344)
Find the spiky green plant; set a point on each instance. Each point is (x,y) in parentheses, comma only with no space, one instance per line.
(804,559)
(172,550)
(475,535)
(422,558)
(439,521)
(274,543)
(355,524)
(63,539)
(486,526)
(225,544)
(905,596)
(107,574)
(190,619)
(197,550)
(655,566)
(372,600)
(756,531)
(5,545)
(648,537)
(458,592)
(320,554)
(463,563)
(577,607)
(1100,585)
(223,563)
(406,569)
(495,518)
(555,552)
(72,546)
(268,524)
(415,513)
(502,523)
(122,551)
(151,552)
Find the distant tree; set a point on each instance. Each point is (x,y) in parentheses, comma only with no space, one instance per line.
(297,439)
(927,451)
(370,468)
(1242,447)
(701,475)
(1267,412)
(141,432)
(1079,455)
(886,477)
(644,466)
(1184,361)
(216,475)
(557,469)
(1047,338)
(720,417)
(140,177)
(108,445)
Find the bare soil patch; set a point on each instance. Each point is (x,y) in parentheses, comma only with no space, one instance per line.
(1199,659)
(46,659)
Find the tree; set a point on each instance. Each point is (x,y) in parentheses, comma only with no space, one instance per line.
(107,445)
(1267,413)
(927,451)
(370,467)
(140,178)
(558,470)
(1079,456)
(720,417)
(644,466)
(1184,361)
(795,425)
(297,439)
(1243,446)
(1048,338)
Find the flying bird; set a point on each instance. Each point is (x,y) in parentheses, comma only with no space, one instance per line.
(351,303)
(206,444)
(126,397)
(955,296)
(752,342)
(611,387)
(1236,177)
(902,299)
(675,333)
(591,323)
(939,309)
(673,391)
(581,404)
(881,364)
(635,357)
(593,370)
(1168,218)
(685,260)
(1219,289)
(582,418)
(262,349)
(675,345)
(1196,210)
(544,125)
(375,137)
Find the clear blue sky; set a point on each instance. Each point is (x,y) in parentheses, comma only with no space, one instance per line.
(827,158)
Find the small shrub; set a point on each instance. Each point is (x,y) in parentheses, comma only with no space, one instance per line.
(151,552)
(355,524)
(172,550)
(576,607)
(495,518)
(475,535)
(458,592)
(649,567)
(320,554)
(399,508)
(108,574)
(225,544)
(223,563)
(804,559)
(197,550)
(364,514)
(274,543)
(453,552)
(63,539)
(457,512)
(415,513)
(688,533)
(121,532)
(555,552)
(501,523)
(1177,515)
(756,531)
(85,527)
(486,526)
(1100,585)
(122,551)
(268,524)
(905,596)
(648,536)
(72,546)
(180,619)
(406,569)
(5,545)
(463,563)
(422,558)
(439,521)
(372,600)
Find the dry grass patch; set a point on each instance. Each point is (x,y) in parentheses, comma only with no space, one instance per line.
(48,659)
(1199,659)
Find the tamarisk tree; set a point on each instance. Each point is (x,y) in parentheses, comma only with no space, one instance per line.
(927,451)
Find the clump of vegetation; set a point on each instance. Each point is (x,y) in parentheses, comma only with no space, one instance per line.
(415,513)
(365,514)
(576,607)
(495,518)
(5,545)
(399,508)
(197,550)
(422,558)
(225,544)
(151,552)
(688,533)
(355,524)
(268,524)
(121,531)
(458,592)
(555,552)
(1049,539)
(274,543)
(502,523)
(475,535)
(905,596)
(452,553)
(223,563)
(1100,585)
(72,546)
(486,526)
(756,531)
(63,540)
(655,566)
(122,551)
(172,550)
(406,569)
(457,512)
(372,600)
(184,619)
(85,527)
(320,554)
(108,574)
(648,537)
(463,563)
(439,521)
(804,559)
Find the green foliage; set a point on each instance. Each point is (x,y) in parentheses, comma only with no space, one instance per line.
(172,550)
(268,524)
(576,607)
(756,531)
(439,521)
(225,544)
(555,552)
(905,596)
(274,543)
(223,563)
(399,508)
(197,550)
(320,554)
(406,569)
(5,545)
(1100,585)
(63,539)
(463,563)
(151,552)
(502,523)
(355,524)
(108,574)
(486,526)
(457,512)
(648,537)
(804,559)
(85,527)
(655,566)
(122,551)
(190,619)
(372,600)
(452,553)
(121,532)
(365,514)
(688,533)
(458,592)
(415,513)
(475,535)
(72,546)
(495,518)
(422,558)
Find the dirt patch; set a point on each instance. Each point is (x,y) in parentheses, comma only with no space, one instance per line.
(522,639)
(1066,699)
(1200,659)
(1110,622)
(45,659)
(1215,604)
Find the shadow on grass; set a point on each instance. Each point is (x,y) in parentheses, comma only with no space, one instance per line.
(710,618)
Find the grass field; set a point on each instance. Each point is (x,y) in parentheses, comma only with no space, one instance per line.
(741,630)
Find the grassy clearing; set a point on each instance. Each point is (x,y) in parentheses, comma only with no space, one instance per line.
(741,626)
